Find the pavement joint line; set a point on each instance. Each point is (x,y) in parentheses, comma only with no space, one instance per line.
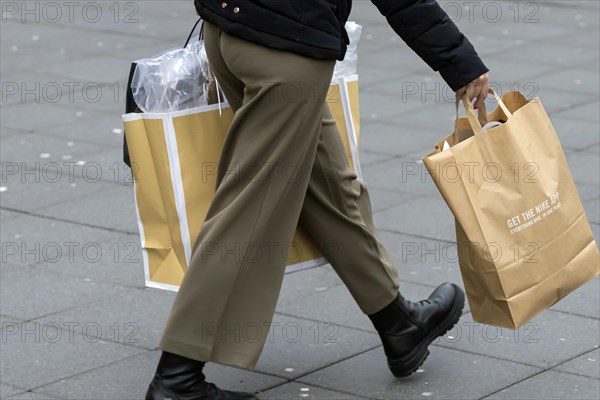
(298,378)
(87,370)
(541,372)
(572,313)
(317,386)
(10,316)
(388,155)
(41,265)
(416,236)
(31,214)
(97,143)
(84,195)
(325,322)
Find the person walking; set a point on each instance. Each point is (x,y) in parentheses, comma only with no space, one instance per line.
(283,163)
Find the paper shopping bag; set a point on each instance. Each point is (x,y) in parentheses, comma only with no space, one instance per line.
(174,157)
(523,238)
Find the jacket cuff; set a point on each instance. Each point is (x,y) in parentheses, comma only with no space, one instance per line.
(462,72)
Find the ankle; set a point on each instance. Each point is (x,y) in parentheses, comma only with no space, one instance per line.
(392,317)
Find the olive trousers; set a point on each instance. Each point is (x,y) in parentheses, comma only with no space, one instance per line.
(283,162)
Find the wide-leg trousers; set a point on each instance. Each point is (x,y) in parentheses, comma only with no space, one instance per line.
(283,162)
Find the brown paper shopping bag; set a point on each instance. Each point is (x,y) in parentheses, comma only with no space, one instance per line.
(174,157)
(523,238)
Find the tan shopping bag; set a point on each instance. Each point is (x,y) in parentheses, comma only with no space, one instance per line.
(174,157)
(523,238)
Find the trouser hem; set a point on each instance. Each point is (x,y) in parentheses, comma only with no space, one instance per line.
(202,353)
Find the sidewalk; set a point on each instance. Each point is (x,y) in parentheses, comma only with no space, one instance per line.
(76,320)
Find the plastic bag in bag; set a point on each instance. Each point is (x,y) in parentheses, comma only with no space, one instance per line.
(348,65)
(176,79)
(180,78)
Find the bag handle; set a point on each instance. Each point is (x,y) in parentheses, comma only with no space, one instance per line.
(478,121)
(192,32)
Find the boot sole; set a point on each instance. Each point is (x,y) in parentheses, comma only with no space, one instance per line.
(410,363)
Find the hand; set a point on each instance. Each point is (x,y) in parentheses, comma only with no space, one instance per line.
(476,89)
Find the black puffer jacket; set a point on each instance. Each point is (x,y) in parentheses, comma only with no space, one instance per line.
(315,28)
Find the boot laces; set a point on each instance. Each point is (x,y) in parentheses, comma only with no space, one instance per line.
(423,302)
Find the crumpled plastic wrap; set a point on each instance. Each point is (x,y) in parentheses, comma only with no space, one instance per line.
(348,65)
(180,78)
(174,80)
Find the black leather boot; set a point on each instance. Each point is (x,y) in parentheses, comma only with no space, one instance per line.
(406,329)
(181,378)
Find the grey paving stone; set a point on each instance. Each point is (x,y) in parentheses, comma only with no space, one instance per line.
(486,44)
(31,187)
(5,215)
(584,166)
(587,364)
(589,111)
(368,375)
(552,385)
(394,57)
(378,107)
(293,391)
(35,148)
(596,231)
(95,70)
(584,301)
(576,134)
(22,85)
(116,261)
(382,199)
(106,130)
(126,379)
(397,139)
(588,192)
(592,210)
(438,118)
(424,261)
(562,56)
(520,74)
(9,322)
(523,27)
(38,358)
(7,390)
(574,80)
(129,379)
(556,100)
(298,346)
(28,239)
(31,396)
(118,213)
(435,221)
(107,161)
(367,158)
(39,116)
(29,292)
(136,317)
(318,294)
(401,174)
(575,15)
(547,340)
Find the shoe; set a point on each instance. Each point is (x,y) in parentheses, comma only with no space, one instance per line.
(181,378)
(406,329)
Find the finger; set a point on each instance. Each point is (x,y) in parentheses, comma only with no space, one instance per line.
(480,99)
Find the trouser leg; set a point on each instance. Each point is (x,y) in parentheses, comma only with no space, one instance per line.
(337,214)
(226,301)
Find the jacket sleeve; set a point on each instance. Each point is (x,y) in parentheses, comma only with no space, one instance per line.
(430,33)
